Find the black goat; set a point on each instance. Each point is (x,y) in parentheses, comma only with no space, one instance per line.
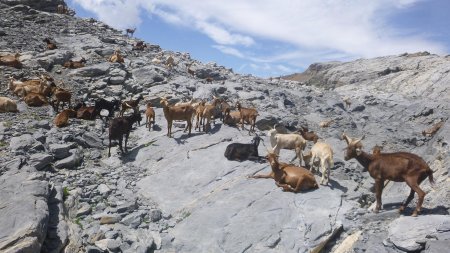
(122,126)
(241,152)
(111,106)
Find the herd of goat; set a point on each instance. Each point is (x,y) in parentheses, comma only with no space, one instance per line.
(398,167)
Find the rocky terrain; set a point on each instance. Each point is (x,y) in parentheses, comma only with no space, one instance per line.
(60,192)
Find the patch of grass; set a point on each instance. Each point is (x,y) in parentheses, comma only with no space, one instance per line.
(65,193)
(7,124)
(146,220)
(78,222)
(3,144)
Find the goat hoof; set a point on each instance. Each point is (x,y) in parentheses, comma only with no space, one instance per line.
(414,214)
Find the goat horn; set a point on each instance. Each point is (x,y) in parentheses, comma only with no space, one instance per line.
(346,138)
(359,140)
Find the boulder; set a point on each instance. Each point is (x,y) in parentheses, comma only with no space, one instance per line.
(24,212)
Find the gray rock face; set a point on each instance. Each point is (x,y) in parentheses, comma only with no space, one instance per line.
(40,161)
(92,71)
(60,151)
(92,140)
(406,232)
(23,142)
(44,5)
(71,162)
(24,214)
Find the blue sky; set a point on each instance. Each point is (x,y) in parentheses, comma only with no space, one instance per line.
(272,38)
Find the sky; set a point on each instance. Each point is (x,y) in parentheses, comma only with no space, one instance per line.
(270,38)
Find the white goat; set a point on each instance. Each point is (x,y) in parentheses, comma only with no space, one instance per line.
(324,153)
(287,141)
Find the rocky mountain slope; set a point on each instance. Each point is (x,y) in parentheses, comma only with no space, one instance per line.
(60,192)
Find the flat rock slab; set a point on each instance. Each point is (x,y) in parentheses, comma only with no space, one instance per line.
(410,233)
(220,209)
(24,212)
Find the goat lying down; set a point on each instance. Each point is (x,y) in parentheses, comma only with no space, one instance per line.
(290,177)
(241,152)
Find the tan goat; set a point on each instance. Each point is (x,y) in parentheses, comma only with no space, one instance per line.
(7,105)
(248,115)
(117,57)
(149,116)
(11,61)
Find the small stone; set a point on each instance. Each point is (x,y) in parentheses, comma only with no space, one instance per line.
(85,209)
(155,215)
(103,189)
(109,219)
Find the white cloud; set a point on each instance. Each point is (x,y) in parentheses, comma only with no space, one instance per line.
(315,30)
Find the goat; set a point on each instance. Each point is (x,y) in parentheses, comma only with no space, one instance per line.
(248,115)
(287,141)
(62,9)
(308,135)
(225,108)
(35,99)
(347,102)
(139,46)
(50,45)
(60,95)
(190,71)
(376,150)
(199,115)
(210,110)
(11,61)
(289,177)
(111,106)
(116,57)
(130,31)
(62,119)
(209,80)
(232,118)
(87,112)
(326,123)
(122,126)
(75,64)
(130,104)
(324,153)
(432,130)
(149,116)
(172,113)
(241,152)
(170,62)
(7,105)
(397,167)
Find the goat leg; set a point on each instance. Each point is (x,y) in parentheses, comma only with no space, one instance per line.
(263,176)
(286,187)
(378,192)
(406,202)
(126,141)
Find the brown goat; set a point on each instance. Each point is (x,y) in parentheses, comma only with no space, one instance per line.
(35,99)
(209,80)
(248,115)
(75,64)
(225,107)
(210,111)
(130,104)
(308,135)
(199,115)
(397,167)
(50,45)
(62,119)
(60,95)
(11,61)
(149,116)
(432,130)
(291,178)
(172,113)
(87,112)
(232,118)
(139,46)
